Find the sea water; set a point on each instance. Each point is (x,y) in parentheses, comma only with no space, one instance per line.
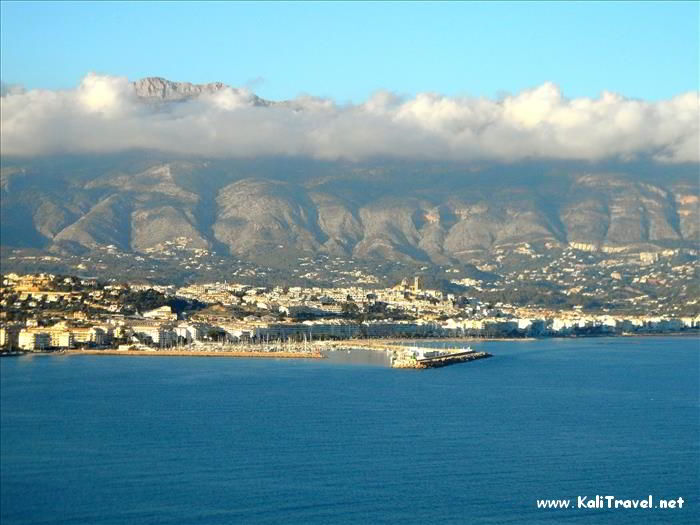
(136,440)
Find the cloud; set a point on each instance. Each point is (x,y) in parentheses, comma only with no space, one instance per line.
(104,114)
(105,94)
(6,89)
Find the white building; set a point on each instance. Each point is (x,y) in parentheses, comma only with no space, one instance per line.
(34,340)
(159,334)
(189,332)
(164,312)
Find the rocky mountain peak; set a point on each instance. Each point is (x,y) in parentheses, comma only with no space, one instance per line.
(158,89)
(161,89)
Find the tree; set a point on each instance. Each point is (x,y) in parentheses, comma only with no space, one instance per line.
(350,309)
(216,334)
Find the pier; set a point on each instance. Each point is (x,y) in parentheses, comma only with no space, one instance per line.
(408,361)
(417,357)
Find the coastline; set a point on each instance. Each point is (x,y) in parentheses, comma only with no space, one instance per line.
(189,353)
(670,334)
(321,346)
(399,340)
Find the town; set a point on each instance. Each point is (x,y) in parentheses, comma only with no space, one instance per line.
(46,312)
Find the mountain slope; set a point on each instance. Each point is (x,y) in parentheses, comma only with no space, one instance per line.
(374,211)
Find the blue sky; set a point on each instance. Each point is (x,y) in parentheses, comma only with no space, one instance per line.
(349,50)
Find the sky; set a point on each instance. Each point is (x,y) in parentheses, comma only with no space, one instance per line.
(348,51)
(504,82)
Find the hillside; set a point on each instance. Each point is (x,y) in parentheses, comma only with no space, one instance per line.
(415,212)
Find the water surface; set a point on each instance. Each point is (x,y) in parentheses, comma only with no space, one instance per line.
(113,440)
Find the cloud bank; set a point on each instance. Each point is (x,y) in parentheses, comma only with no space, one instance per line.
(104,114)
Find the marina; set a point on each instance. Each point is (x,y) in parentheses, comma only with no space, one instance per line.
(186,352)
(398,354)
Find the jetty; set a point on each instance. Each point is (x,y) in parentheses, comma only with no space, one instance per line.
(412,359)
(418,357)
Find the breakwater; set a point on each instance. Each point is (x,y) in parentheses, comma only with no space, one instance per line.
(407,361)
(417,357)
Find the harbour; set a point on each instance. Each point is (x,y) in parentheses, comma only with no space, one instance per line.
(279,354)
(415,357)
(397,353)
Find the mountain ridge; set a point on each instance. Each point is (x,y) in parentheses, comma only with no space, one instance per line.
(346,210)
(162,90)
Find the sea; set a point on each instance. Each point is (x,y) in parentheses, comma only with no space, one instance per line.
(347,440)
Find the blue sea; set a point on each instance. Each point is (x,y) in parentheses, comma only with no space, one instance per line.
(144,440)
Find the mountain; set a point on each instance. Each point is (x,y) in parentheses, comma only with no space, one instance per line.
(424,212)
(398,211)
(157,89)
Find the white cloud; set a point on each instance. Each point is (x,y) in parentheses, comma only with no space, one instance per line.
(103,114)
(105,94)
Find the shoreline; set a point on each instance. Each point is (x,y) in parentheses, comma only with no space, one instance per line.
(671,334)
(399,340)
(407,340)
(326,345)
(189,353)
